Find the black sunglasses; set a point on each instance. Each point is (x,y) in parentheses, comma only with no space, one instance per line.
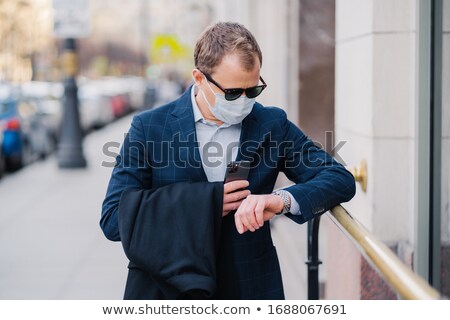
(235,93)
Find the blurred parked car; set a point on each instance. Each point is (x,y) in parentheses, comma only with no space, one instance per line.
(35,128)
(135,87)
(25,135)
(2,158)
(119,93)
(47,98)
(12,139)
(94,106)
(151,94)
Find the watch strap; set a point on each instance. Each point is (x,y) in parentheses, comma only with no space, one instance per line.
(286,200)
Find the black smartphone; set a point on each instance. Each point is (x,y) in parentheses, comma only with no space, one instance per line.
(237,170)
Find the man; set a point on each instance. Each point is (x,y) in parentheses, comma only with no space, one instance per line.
(215,121)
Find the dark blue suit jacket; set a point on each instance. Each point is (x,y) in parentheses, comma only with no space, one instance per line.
(161,148)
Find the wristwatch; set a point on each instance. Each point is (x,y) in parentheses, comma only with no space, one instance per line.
(286,199)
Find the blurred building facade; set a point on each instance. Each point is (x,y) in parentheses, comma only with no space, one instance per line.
(379,110)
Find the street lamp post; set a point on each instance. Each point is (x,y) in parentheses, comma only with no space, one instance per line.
(70,149)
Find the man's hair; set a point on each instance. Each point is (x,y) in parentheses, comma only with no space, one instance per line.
(224,38)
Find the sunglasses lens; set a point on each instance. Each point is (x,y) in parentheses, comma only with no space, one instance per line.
(254,92)
(231,95)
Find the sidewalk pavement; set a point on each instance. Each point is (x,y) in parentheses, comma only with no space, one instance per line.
(52,247)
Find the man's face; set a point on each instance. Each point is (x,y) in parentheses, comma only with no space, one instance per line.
(228,74)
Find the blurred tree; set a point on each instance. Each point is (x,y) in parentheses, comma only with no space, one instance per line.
(25,33)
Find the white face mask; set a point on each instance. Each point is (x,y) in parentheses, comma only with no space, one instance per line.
(230,112)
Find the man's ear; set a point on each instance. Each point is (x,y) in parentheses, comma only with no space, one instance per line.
(197,76)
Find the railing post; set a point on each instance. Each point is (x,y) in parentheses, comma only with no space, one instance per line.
(313,261)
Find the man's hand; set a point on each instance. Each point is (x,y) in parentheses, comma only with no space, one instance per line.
(232,199)
(256,209)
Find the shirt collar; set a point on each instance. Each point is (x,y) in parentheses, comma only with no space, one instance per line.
(197,114)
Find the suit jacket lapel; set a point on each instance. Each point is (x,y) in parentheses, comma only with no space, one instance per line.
(250,138)
(184,137)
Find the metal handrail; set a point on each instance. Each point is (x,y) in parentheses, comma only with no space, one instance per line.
(403,280)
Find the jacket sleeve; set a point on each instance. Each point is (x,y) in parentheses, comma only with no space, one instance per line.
(320,181)
(132,170)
